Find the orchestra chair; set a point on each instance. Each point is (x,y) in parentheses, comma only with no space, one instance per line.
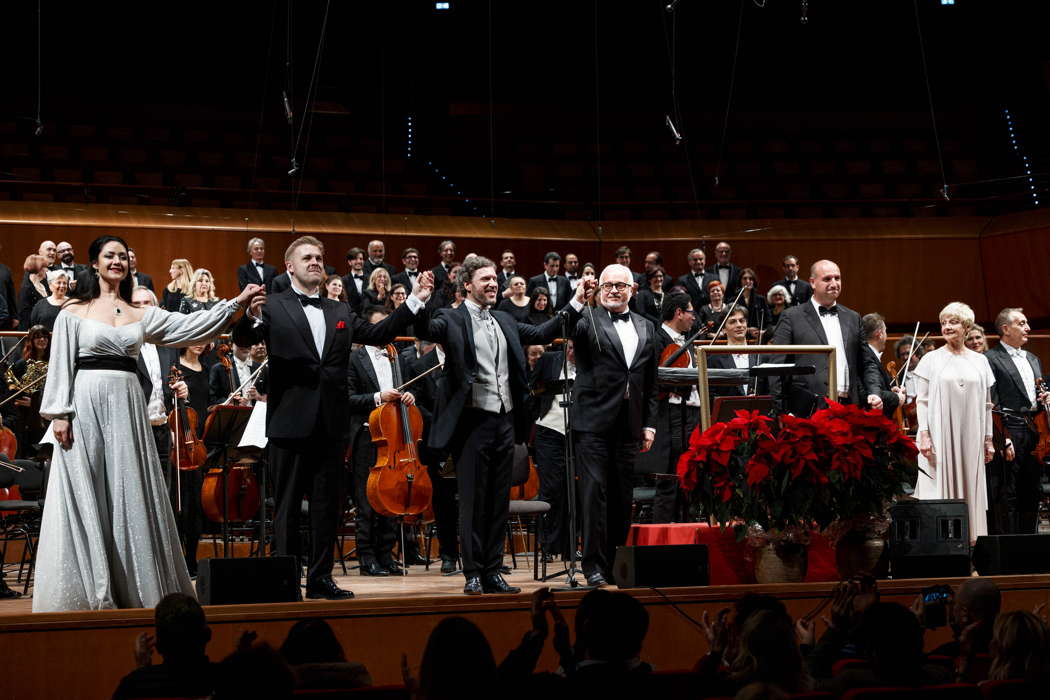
(20,518)
(529,515)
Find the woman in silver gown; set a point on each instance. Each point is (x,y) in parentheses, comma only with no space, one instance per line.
(108,537)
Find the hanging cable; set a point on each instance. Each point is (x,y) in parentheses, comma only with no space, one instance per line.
(311,96)
(597,129)
(729,99)
(39,69)
(929,97)
(671,45)
(289,85)
(492,127)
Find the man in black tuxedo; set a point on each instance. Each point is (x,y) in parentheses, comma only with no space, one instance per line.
(410,273)
(507,264)
(447,253)
(256,270)
(242,367)
(696,280)
(355,281)
(376,253)
(799,289)
(371,382)
(1013,489)
(559,287)
(821,321)
(737,322)
(725,270)
(572,269)
(308,415)
(878,385)
(141,278)
(614,415)
(79,274)
(482,412)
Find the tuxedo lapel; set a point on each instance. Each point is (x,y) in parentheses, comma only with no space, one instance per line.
(605,321)
(294,309)
(814,320)
(331,312)
(1007,363)
(366,364)
(468,331)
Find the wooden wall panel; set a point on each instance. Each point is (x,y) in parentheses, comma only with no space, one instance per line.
(1017,272)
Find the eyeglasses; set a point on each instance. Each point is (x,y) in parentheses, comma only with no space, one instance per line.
(618,286)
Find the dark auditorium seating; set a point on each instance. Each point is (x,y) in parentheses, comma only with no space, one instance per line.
(1015,689)
(950,691)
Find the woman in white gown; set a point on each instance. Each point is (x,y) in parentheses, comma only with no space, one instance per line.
(108,537)
(954,409)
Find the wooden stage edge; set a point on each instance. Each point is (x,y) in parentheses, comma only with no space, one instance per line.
(83,654)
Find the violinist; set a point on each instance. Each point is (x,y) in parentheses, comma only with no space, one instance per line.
(1016,395)
(371,384)
(679,412)
(154,367)
(194,390)
(881,389)
(901,349)
(222,381)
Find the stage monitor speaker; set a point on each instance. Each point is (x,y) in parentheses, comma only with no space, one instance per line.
(248,580)
(929,539)
(998,555)
(661,566)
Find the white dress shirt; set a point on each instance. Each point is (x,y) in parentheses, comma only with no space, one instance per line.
(554,418)
(155,405)
(1024,368)
(833,331)
(384,372)
(628,339)
(552,287)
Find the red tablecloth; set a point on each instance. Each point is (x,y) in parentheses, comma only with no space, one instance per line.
(726,556)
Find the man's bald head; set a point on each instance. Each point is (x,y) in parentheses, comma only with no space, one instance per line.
(826,280)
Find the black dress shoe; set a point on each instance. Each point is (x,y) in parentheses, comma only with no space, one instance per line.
(473,586)
(326,588)
(414,558)
(448,565)
(371,568)
(505,570)
(494,583)
(392,567)
(597,580)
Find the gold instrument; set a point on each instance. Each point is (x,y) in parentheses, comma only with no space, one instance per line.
(29,383)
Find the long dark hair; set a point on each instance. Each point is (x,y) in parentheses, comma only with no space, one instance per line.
(92,290)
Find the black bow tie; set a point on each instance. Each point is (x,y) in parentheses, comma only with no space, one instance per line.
(828,310)
(359,277)
(724,267)
(412,273)
(309,301)
(258,264)
(571,275)
(625,316)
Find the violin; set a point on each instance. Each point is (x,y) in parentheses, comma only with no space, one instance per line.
(189,452)
(242,494)
(898,413)
(398,482)
(1042,425)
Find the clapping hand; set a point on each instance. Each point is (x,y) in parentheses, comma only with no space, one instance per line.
(424,286)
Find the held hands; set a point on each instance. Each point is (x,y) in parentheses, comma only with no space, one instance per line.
(424,286)
(717,632)
(249,293)
(989,449)
(648,436)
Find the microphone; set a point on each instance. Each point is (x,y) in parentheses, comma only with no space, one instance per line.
(287,107)
(674,131)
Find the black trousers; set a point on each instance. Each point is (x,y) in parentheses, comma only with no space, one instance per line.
(1014,488)
(550,463)
(605,465)
(482,450)
(308,467)
(375,533)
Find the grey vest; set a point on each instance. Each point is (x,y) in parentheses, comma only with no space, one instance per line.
(491,388)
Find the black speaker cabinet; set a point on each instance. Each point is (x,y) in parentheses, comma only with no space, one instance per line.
(929,539)
(996,555)
(661,566)
(248,580)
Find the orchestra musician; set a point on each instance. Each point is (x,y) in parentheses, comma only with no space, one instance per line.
(481,414)
(308,340)
(881,392)
(736,334)
(371,383)
(820,321)
(1016,395)
(614,415)
(189,513)
(223,382)
(154,368)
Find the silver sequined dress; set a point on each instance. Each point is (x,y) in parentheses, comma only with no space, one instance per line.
(108,537)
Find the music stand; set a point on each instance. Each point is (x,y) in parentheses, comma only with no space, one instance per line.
(223,430)
(725,407)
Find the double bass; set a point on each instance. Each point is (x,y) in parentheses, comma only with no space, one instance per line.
(398,483)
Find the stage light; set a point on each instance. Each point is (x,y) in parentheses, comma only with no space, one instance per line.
(947,2)
(442,5)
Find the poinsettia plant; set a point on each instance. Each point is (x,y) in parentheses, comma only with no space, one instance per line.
(793,474)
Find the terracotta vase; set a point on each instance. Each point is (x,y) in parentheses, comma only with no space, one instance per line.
(860,551)
(781,562)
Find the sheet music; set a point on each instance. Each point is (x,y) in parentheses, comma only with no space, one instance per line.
(255,432)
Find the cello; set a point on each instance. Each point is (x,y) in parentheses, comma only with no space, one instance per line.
(398,482)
